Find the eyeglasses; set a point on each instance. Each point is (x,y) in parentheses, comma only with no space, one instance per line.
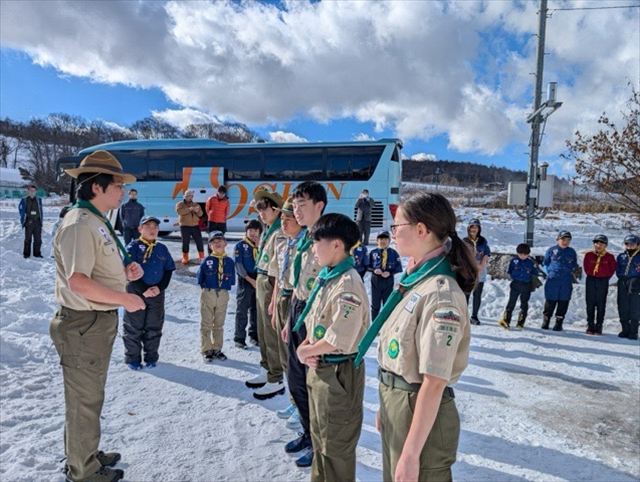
(394,227)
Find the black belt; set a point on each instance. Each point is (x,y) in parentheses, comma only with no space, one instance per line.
(392,380)
(286,293)
(262,271)
(337,359)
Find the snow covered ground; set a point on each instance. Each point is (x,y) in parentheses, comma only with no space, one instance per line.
(534,405)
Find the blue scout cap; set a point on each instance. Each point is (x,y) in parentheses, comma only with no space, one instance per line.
(147,219)
(474,222)
(384,234)
(631,239)
(601,238)
(564,234)
(216,235)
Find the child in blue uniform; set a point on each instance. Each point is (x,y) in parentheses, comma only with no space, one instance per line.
(628,272)
(522,269)
(360,254)
(384,262)
(561,261)
(143,329)
(216,276)
(245,253)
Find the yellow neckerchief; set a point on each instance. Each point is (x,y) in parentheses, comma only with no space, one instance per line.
(600,256)
(150,245)
(220,258)
(626,270)
(253,246)
(383,263)
(355,246)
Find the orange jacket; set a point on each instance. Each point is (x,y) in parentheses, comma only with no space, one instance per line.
(217,209)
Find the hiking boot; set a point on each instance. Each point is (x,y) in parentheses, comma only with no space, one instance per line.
(522,317)
(598,329)
(103,474)
(504,320)
(108,459)
(135,366)
(269,390)
(545,322)
(151,364)
(258,381)
(558,325)
(306,460)
(200,255)
(623,334)
(520,326)
(285,413)
(208,356)
(241,345)
(298,444)
(474,320)
(218,355)
(185,258)
(590,331)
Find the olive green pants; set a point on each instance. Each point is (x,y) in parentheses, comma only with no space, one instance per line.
(439,451)
(84,341)
(213,310)
(267,336)
(282,319)
(335,413)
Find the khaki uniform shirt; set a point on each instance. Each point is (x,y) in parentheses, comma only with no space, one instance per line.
(279,242)
(186,217)
(269,251)
(340,313)
(309,270)
(428,333)
(284,278)
(84,245)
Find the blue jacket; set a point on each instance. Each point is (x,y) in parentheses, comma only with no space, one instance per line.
(208,273)
(131,213)
(156,265)
(245,262)
(623,262)
(560,263)
(361,255)
(22,209)
(522,270)
(394,265)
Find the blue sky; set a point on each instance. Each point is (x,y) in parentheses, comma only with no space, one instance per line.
(452,79)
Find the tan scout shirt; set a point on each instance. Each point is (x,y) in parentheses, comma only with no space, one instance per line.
(284,279)
(279,242)
(308,272)
(340,313)
(428,333)
(269,251)
(186,217)
(84,245)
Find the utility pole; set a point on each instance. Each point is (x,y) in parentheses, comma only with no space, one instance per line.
(536,121)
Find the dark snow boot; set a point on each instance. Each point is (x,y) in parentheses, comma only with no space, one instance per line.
(591,329)
(522,317)
(505,320)
(545,322)
(558,325)
(104,474)
(108,459)
(598,329)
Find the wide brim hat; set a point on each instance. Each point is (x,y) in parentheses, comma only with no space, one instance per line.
(266,194)
(101,162)
(287,207)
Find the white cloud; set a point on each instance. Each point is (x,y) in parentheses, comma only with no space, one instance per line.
(423,156)
(182,118)
(362,136)
(415,68)
(281,136)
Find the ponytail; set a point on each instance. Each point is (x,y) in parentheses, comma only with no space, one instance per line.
(463,263)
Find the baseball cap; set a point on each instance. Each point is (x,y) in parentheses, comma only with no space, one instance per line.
(601,238)
(147,219)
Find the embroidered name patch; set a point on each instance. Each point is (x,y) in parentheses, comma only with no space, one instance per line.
(446,315)
(103,232)
(413,300)
(350,298)
(447,328)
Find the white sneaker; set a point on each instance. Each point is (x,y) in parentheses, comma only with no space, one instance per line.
(270,390)
(260,380)
(294,421)
(286,412)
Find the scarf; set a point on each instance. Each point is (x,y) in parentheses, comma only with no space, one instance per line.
(355,246)
(631,256)
(326,274)
(267,234)
(599,258)
(383,261)
(82,204)
(150,245)
(253,247)
(432,267)
(220,258)
(291,242)
(303,245)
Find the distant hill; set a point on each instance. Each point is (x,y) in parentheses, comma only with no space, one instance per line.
(456,173)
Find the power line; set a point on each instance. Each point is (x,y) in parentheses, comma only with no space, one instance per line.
(594,8)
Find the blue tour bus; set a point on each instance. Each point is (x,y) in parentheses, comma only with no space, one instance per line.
(166,168)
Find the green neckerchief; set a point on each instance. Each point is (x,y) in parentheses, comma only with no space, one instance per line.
(303,245)
(267,234)
(82,204)
(435,266)
(326,274)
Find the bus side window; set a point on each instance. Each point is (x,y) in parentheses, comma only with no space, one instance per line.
(134,162)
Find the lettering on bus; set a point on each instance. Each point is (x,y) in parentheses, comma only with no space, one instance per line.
(334,189)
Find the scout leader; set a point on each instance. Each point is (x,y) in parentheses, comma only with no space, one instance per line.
(269,382)
(309,201)
(90,287)
(336,317)
(424,343)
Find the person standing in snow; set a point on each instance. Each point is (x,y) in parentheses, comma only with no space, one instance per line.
(30,209)
(560,261)
(423,346)
(599,266)
(246,256)
(522,269)
(131,213)
(482,252)
(364,204)
(628,272)
(217,209)
(189,213)
(90,287)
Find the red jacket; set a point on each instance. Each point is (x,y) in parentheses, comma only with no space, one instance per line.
(217,209)
(606,268)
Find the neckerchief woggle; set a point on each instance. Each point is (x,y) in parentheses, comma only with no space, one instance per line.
(82,204)
(303,245)
(435,266)
(265,237)
(326,274)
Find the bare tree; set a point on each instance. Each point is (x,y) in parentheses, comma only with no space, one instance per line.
(610,158)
